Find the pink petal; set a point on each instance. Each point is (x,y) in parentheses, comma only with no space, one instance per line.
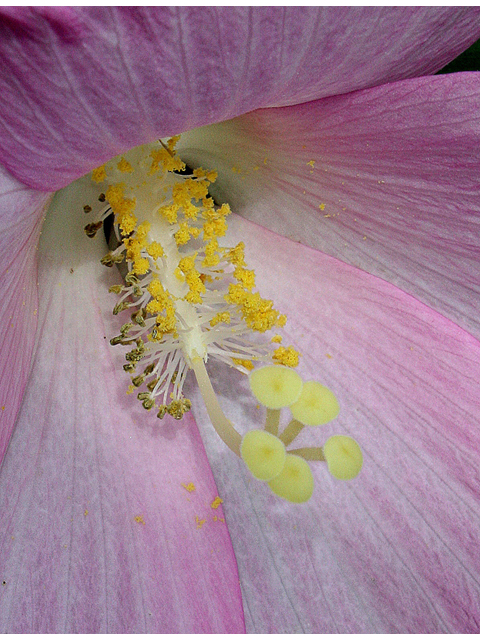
(20,213)
(386,179)
(395,550)
(79,85)
(98,533)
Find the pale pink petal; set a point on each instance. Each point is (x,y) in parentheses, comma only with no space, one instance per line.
(81,84)
(396,550)
(98,532)
(387,179)
(20,219)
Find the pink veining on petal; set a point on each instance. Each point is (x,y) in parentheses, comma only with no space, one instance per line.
(386,179)
(394,551)
(99,532)
(82,84)
(20,220)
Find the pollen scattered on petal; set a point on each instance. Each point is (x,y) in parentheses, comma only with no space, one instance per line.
(99,174)
(216,503)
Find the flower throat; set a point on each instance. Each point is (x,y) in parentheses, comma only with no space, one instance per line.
(191,299)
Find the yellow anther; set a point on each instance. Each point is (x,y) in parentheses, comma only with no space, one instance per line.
(316,405)
(127,223)
(169,212)
(236,294)
(124,166)
(142,231)
(211,254)
(245,276)
(277,339)
(220,317)
(275,386)
(187,264)
(168,162)
(257,312)
(155,306)
(236,256)
(214,229)
(295,483)
(172,142)
(190,210)
(118,202)
(263,453)
(99,174)
(155,250)
(286,356)
(344,457)
(247,364)
(141,266)
(155,288)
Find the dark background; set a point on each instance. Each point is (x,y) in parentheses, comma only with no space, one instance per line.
(469,60)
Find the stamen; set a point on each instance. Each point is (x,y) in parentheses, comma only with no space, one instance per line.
(192,299)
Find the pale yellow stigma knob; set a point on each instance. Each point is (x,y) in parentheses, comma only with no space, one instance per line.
(263,453)
(275,386)
(295,482)
(316,405)
(344,457)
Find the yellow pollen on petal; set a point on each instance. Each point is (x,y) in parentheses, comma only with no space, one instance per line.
(124,166)
(99,174)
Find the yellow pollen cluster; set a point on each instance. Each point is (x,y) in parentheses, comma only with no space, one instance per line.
(287,356)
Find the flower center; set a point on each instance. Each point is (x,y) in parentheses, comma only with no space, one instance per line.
(192,299)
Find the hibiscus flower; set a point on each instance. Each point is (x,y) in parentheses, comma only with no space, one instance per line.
(357,186)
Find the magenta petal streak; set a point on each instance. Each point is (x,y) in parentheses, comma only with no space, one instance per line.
(395,550)
(20,220)
(80,85)
(97,533)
